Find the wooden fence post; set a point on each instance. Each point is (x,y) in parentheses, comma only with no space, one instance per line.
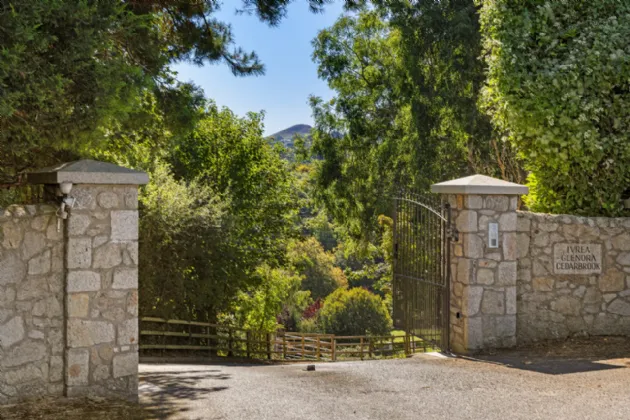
(303,347)
(334,348)
(284,345)
(362,348)
(247,341)
(268,346)
(318,355)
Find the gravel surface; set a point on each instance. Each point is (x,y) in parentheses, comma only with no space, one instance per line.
(422,387)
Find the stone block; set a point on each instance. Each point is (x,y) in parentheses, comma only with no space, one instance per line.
(128,332)
(473,333)
(79,253)
(543,284)
(125,278)
(78,367)
(11,332)
(125,364)
(473,202)
(107,256)
(83,281)
(466,221)
(507,273)
(78,305)
(522,245)
(25,374)
(493,303)
(108,200)
(124,225)
(507,222)
(40,223)
(12,268)
(510,300)
(12,235)
(40,264)
(612,281)
(510,250)
(619,307)
(621,242)
(464,270)
(78,224)
(624,258)
(32,288)
(567,305)
(101,373)
(55,371)
(27,351)
(523,224)
(132,250)
(33,244)
(505,326)
(473,246)
(541,239)
(497,202)
(485,276)
(83,333)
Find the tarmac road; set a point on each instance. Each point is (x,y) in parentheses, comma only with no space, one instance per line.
(422,387)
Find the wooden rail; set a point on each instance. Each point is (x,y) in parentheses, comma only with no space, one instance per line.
(159,336)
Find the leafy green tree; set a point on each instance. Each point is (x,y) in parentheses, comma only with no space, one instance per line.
(558,85)
(72,71)
(310,260)
(407,79)
(208,225)
(231,156)
(260,307)
(354,312)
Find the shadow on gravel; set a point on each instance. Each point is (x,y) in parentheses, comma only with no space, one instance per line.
(568,356)
(164,394)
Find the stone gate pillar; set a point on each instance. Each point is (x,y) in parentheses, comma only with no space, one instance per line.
(101,276)
(484,262)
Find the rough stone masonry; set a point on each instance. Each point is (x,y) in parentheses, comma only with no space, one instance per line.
(541,277)
(68,289)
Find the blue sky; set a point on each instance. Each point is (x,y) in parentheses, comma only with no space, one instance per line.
(290,76)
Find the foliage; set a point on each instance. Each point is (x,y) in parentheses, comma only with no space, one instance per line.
(230,155)
(558,84)
(354,312)
(209,226)
(321,277)
(279,290)
(73,71)
(181,243)
(406,78)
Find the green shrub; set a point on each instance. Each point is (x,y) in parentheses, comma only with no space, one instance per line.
(559,86)
(354,312)
(310,259)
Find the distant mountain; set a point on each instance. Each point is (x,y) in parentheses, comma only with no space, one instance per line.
(286,136)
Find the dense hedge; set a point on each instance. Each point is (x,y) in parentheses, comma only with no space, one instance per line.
(354,312)
(559,87)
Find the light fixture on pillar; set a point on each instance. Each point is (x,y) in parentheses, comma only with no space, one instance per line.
(65,188)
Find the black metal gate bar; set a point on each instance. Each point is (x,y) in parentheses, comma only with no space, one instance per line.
(421,283)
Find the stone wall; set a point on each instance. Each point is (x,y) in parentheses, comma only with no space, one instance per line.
(102,297)
(483,291)
(69,298)
(31,303)
(563,290)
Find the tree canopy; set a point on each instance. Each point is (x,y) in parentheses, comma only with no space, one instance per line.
(558,85)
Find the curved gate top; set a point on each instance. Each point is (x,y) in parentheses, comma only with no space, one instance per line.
(421,281)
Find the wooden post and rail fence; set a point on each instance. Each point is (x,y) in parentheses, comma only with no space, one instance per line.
(162,337)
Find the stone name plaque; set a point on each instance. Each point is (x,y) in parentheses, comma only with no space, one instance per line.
(577,259)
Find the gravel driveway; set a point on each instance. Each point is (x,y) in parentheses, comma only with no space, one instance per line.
(422,387)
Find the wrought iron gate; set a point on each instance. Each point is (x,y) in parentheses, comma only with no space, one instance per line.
(421,283)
